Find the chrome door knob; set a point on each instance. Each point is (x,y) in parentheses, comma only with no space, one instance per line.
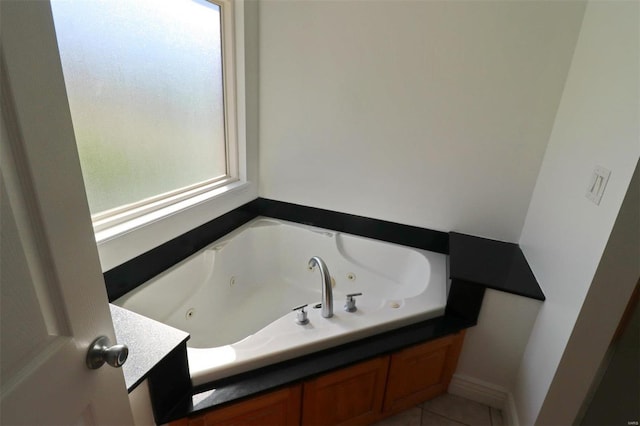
(100,352)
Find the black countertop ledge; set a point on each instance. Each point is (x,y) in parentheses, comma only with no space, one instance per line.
(149,342)
(493,264)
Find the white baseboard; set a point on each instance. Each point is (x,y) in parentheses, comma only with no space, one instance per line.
(479,391)
(486,393)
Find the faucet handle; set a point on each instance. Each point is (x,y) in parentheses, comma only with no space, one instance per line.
(350,304)
(301,314)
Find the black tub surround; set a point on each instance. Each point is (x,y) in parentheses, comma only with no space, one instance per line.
(129,275)
(124,278)
(474,264)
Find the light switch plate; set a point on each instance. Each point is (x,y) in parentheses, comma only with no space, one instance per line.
(597,184)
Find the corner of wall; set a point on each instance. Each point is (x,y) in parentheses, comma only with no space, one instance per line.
(565,236)
(486,393)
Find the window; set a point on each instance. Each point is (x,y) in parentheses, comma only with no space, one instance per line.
(151,91)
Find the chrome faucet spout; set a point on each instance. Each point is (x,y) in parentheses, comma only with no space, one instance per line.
(327,291)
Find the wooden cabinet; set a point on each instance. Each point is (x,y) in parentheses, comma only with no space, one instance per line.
(421,372)
(352,395)
(277,408)
(360,394)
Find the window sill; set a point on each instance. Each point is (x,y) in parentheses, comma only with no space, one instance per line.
(127,240)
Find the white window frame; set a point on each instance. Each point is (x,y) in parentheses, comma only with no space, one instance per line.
(124,235)
(127,213)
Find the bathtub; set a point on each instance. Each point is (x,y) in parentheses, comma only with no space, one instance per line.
(235,297)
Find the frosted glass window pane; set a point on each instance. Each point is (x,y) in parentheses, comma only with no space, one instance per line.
(145,88)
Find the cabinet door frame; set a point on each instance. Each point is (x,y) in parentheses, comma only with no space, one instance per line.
(397,396)
(312,413)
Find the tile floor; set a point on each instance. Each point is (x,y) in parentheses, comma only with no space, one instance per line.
(446,410)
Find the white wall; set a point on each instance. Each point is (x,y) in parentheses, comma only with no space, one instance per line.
(434,114)
(141,406)
(564,235)
(605,301)
(493,349)
(429,113)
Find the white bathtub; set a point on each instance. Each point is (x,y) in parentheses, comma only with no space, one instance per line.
(235,296)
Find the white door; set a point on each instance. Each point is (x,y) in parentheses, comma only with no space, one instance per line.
(54,303)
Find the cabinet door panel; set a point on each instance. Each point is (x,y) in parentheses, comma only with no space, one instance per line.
(421,372)
(352,395)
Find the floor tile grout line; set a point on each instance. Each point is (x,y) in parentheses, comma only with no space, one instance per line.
(443,416)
